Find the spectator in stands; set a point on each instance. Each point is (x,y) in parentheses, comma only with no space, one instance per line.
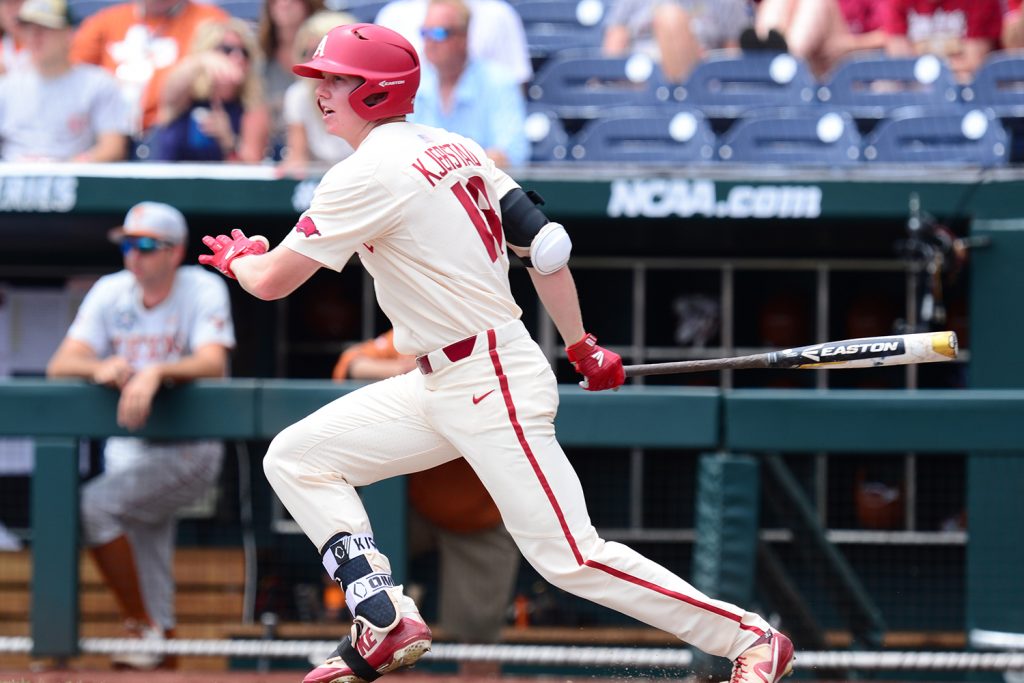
(212,106)
(823,32)
(496,35)
(307,141)
(464,95)
(11,48)
(151,324)
(450,510)
(52,110)
(278,28)
(676,33)
(1013,26)
(138,41)
(961,31)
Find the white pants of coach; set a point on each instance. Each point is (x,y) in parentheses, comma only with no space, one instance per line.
(139,494)
(496,408)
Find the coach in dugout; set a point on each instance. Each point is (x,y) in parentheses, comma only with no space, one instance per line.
(151,324)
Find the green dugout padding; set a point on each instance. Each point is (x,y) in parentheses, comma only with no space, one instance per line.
(257,409)
(727,516)
(995,482)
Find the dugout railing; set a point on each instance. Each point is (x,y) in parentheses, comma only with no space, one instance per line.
(746,425)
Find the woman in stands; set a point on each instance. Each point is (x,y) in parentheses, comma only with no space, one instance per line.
(212,106)
(307,141)
(279,24)
(824,32)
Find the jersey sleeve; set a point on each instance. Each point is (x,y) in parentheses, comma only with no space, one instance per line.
(87,42)
(350,207)
(894,19)
(89,326)
(213,323)
(984,20)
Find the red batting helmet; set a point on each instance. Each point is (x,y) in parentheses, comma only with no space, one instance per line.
(387,63)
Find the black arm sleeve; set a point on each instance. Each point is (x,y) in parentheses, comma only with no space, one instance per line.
(521,218)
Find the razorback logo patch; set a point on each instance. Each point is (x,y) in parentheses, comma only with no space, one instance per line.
(307,227)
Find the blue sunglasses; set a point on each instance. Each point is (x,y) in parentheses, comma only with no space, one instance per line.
(144,245)
(437,34)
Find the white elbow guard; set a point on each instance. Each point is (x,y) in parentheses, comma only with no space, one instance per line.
(550,249)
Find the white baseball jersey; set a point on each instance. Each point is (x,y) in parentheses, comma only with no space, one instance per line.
(113,321)
(420,206)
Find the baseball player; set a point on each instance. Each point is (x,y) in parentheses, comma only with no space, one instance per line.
(152,323)
(433,220)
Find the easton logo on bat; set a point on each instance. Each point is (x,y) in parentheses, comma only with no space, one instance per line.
(844,351)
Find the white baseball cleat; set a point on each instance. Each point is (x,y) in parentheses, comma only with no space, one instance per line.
(135,659)
(370,652)
(769,659)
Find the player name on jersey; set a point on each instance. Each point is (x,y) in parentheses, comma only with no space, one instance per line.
(445,158)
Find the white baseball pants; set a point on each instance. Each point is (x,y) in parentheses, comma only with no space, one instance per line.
(496,408)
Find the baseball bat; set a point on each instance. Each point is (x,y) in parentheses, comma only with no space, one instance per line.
(865,352)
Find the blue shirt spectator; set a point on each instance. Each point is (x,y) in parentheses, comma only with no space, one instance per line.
(471,97)
(487,106)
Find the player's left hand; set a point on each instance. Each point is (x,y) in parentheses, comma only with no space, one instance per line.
(601,368)
(226,249)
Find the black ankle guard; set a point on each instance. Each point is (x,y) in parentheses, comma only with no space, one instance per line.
(360,667)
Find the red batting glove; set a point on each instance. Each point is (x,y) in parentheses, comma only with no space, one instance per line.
(226,249)
(601,368)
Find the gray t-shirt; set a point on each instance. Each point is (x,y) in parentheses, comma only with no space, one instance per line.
(58,118)
(712,22)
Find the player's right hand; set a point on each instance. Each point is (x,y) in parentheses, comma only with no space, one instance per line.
(226,249)
(601,368)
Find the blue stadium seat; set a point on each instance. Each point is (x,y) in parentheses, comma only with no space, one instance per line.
(870,87)
(801,137)
(249,10)
(648,137)
(584,86)
(999,85)
(953,135)
(362,10)
(555,25)
(80,9)
(547,136)
(727,84)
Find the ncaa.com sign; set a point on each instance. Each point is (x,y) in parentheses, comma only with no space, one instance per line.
(664,197)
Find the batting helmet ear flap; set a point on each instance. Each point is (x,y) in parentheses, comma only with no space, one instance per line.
(387,63)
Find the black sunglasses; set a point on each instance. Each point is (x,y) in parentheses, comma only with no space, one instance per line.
(144,245)
(231,49)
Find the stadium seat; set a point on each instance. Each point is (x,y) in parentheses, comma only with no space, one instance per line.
(555,25)
(547,136)
(80,9)
(793,137)
(249,10)
(727,84)
(870,87)
(918,135)
(362,10)
(646,137)
(584,86)
(999,85)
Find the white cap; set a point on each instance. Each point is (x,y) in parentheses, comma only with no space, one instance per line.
(51,14)
(153,219)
